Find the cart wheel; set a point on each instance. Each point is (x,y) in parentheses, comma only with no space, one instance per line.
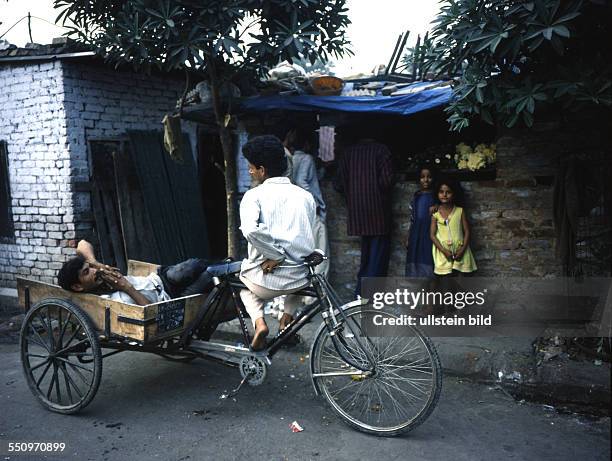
(61,356)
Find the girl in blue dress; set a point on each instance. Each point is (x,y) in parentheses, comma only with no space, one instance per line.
(419,259)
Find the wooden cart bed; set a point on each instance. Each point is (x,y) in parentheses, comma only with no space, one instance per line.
(144,324)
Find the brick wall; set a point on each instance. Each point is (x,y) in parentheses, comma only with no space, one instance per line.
(33,123)
(49,111)
(511,217)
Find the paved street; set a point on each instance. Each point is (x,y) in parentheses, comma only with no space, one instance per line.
(149,408)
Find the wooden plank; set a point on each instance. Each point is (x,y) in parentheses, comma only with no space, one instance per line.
(147,155)
(399,51)
(186,197)
(114,231)
(136,222)
(106,252)
(140,268)
(388,69)
(94,306)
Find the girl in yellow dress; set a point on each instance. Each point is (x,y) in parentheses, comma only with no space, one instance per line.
(450,233)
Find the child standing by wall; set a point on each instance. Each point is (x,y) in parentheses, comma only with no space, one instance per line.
(450,232)
(419,258)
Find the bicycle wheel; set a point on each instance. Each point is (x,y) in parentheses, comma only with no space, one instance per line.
(60,355)
(400,394)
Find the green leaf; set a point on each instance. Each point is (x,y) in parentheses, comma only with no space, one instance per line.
(510,122)
(494,43)
(562,31)
(566,18)
(548,33)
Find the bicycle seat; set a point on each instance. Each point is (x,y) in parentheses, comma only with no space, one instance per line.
(230,267)
(315,258)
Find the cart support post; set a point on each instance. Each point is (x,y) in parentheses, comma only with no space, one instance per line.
(107,322)
(26,297)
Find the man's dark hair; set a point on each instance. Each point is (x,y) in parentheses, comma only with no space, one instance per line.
(304,139)
(266,151)
(68,275)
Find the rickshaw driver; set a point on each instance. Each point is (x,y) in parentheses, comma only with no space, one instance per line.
(83,273)
(277,219)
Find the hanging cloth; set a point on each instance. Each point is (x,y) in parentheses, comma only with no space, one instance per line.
(326,143)
(173,138)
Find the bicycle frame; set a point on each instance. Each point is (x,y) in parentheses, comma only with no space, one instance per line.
(326,302)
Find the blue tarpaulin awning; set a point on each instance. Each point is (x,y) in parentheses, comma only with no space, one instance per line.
(413,100)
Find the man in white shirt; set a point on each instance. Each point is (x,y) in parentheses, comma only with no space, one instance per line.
(277,219)
(85,274)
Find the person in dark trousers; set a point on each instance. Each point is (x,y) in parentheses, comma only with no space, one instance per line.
(365,175)
(84,274)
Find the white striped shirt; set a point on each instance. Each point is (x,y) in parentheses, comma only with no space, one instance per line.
(277,220)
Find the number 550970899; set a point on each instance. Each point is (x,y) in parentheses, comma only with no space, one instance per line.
(16,447)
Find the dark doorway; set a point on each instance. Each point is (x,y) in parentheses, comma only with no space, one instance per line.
(212,181)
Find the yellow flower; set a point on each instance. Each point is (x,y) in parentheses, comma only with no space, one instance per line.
(476,161)
(462,164)
(463,149)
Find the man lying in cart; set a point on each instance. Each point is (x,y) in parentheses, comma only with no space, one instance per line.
(83,273)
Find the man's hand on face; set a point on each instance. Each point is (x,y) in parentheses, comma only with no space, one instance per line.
(269,265)
(105,267)
(116,281)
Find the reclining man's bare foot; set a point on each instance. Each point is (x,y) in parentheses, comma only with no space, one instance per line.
(259,338)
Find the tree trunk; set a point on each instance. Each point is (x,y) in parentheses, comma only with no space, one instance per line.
(229,164)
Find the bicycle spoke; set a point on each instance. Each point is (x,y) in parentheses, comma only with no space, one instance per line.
(397,407)
(52,382)
(74,385)
(30,339)
(50,330)
(63,370)
(40,337)
(36,355)
(39,365)
(57,388)
(422,388)
(74,333)
(81,375)
(410,397)
(59,325)
(74,364)
(63,330)
(68,348)
(41,377)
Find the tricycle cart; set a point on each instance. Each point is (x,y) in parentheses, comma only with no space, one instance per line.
(382,385)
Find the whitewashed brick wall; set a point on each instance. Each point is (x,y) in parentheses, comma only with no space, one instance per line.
(33,123)
(48,111)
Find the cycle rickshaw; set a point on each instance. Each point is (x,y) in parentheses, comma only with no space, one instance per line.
(379,385)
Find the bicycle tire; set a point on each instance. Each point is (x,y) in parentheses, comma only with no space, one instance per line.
(325,358)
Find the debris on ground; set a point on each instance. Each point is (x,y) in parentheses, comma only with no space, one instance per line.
(295,427)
